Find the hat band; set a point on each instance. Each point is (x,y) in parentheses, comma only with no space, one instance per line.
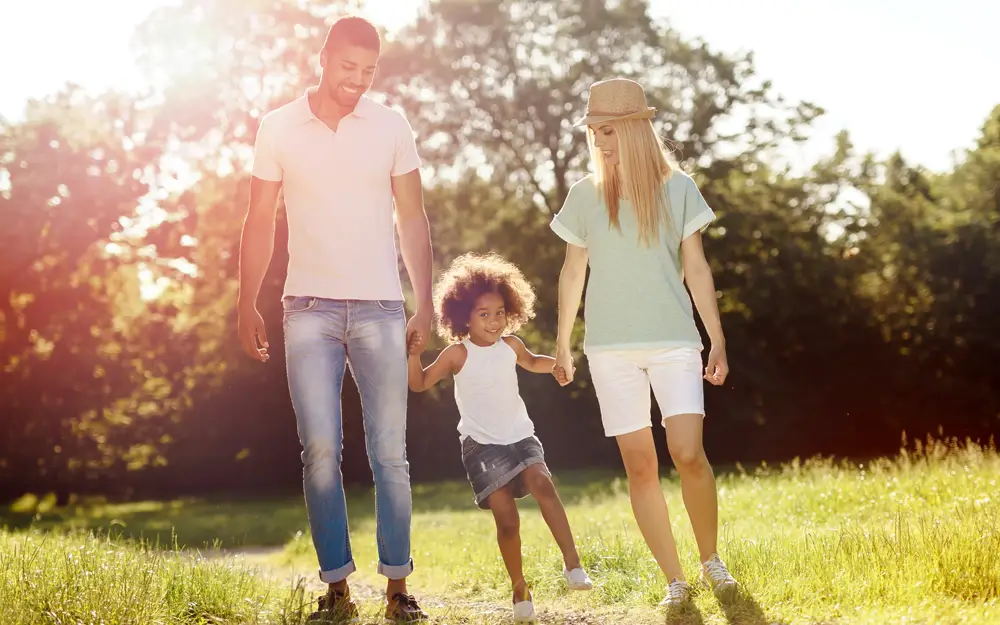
(597,118)
(613,113)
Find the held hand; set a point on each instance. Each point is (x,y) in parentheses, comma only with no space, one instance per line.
(718,366)
(251,330)
(563,369)
(418,330)
(413,346)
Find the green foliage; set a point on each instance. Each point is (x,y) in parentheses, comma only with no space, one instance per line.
(859,295)
(82,377)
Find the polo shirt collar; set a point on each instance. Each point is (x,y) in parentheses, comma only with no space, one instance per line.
(305,114)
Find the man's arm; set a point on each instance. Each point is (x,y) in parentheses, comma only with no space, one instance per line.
(415,246)
(528,360)
(256,248)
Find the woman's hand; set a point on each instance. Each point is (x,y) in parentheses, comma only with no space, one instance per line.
(718,365)
(563,369)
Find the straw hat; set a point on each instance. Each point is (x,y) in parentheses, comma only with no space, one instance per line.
(615,98)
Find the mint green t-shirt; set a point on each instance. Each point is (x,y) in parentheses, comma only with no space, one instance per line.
(636,297)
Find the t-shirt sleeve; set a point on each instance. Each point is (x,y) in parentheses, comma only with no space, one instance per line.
(697,214)
(405,159)
(265,157)
(569,223)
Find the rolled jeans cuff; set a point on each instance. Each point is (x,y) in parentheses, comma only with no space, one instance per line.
(337,575)
(397,571)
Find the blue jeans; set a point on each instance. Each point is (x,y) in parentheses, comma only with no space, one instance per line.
(322,338)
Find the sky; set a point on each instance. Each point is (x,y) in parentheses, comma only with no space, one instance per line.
(898,75)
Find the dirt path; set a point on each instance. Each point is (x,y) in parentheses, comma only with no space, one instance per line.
(445,610)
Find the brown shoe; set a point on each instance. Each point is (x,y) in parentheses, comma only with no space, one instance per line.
(335,607)
(404,609)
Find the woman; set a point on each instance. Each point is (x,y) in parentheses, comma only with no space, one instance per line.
(637,221)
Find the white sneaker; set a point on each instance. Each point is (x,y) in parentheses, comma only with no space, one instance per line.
(678,592)
(715,575)
(524,612)
(577,579)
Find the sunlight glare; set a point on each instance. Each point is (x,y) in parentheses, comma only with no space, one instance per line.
(390,14)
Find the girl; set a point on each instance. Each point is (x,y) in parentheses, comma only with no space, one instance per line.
(637,222)
(479,300)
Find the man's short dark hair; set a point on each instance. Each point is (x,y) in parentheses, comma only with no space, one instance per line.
(355,31)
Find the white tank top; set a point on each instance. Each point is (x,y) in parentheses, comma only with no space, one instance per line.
(492,411)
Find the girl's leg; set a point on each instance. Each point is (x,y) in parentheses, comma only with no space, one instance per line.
(540,486)
(684,440)
(508,523)
(648,504)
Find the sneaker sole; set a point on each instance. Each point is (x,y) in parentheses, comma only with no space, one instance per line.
(580,586)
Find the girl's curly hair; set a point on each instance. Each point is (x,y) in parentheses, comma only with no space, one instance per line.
(472,275)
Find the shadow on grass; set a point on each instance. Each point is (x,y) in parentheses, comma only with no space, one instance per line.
(687,614)
(237,523)
(741,608)
(183,523)
(574,487)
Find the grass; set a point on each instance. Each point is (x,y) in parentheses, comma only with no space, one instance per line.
(80,578)
(187,522)
(912,539)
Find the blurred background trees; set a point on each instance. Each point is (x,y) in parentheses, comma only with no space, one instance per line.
(860,297)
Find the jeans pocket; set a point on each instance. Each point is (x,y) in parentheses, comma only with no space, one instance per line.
(390,305)
(293,304)
(469,446)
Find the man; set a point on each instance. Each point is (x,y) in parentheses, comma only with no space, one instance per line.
(342,161)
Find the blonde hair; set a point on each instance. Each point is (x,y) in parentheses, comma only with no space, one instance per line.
(643,167)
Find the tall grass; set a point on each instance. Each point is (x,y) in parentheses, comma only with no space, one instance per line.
(912,539)
(814,541)
(80,578)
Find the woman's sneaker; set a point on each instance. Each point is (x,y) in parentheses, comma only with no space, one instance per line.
(524,612)
(715,575)
(577,579)
(678,593)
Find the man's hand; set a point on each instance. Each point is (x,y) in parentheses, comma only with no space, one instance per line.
(251,329)
(418,331)
(718,365)
(564,369)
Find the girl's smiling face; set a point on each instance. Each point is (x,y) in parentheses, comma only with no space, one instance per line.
(488,319)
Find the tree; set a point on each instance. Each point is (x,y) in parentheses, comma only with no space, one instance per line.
(72,179)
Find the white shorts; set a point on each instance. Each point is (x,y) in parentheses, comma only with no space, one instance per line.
(622,379)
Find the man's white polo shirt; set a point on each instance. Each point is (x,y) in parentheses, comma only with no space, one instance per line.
(338,196)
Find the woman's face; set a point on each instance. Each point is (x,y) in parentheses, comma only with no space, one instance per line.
(606,141)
